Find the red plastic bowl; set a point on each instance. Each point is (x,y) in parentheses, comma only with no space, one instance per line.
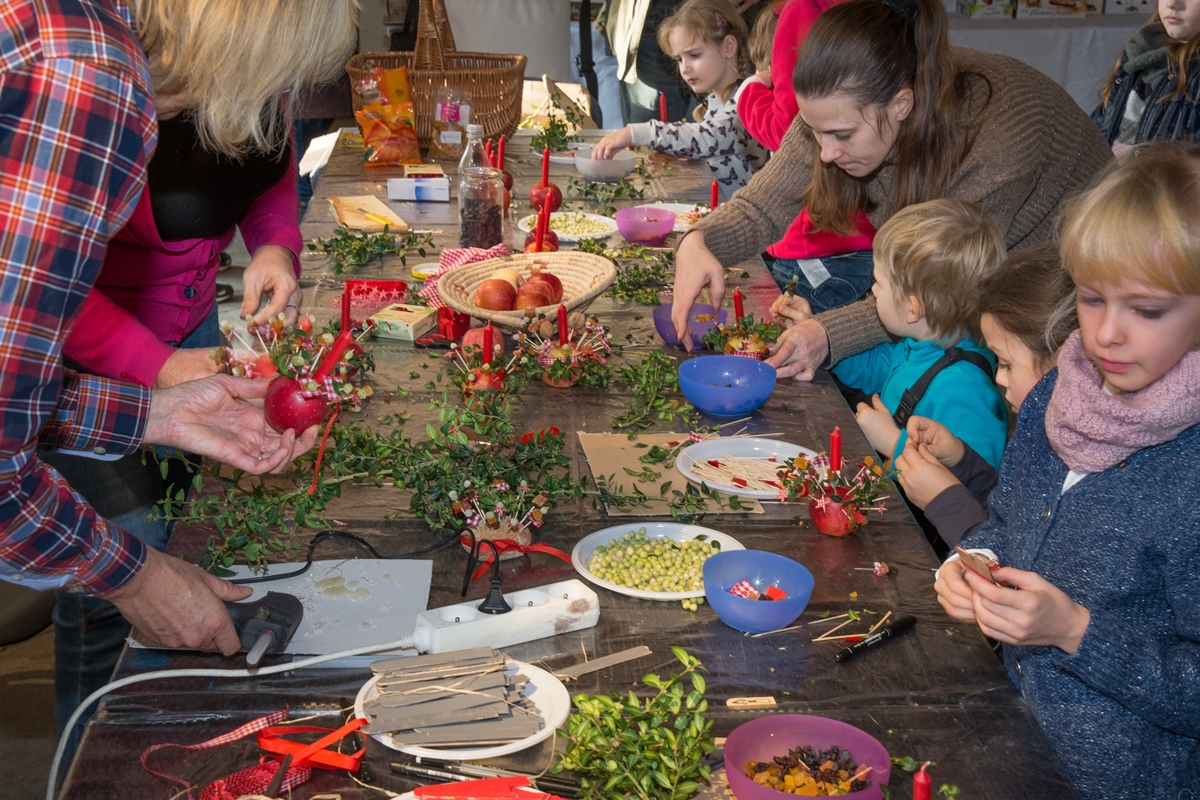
(766,737)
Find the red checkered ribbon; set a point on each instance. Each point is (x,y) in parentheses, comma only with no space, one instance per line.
(744,589)
(456,258)
(754,354)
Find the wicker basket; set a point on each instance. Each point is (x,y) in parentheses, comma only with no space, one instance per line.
(584,278)
(496,82)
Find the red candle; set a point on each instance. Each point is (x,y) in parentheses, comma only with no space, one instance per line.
(922,783)
(541,226)
(562,324)
(835,449)
(738,311)
(487,343)
(500,159)
(662,107)
(546,167)
(344,339)
(716,195)
(346,307)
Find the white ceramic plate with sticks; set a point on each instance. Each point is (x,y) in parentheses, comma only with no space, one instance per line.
(686,214)
(545,691)
(677,531)
(738,447)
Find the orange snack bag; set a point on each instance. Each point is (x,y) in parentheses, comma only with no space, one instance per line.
(394,86)
(389,134)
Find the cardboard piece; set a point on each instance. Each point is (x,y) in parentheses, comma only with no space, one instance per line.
(366,213)
(613,453)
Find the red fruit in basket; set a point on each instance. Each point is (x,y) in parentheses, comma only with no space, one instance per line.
(531,298)
(473,339)
(495,294)
(285,406)
(551,279)
(540,284)
(548,237)
(545,194)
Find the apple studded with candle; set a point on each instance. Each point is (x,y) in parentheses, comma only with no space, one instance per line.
(478,372)
(315,375)
(545,194)
(570,350)
(839,501)
(745,336)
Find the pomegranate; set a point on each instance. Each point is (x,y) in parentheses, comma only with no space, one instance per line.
(473,339)
(832,517)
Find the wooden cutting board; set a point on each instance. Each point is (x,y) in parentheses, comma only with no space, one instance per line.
(366,213)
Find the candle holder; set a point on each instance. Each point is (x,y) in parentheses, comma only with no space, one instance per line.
(838,503)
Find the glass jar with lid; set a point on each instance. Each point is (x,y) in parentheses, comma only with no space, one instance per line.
(480,196)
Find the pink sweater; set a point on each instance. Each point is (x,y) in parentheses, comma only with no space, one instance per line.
(152,292)
(768,113)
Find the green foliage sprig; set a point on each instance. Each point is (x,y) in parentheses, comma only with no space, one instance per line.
(350,250)
(642,272)
(746,329)
(605,193)
(654,381)
(651,748)
(558,131)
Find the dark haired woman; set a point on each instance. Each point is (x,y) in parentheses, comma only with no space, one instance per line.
(891,115)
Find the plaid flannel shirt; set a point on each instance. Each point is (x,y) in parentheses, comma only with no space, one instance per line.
(77,128)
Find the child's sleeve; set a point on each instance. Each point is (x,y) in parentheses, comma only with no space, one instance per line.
(717,135)
(1151,675)
(955,513)
(867,371)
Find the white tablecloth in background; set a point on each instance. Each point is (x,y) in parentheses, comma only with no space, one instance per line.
(1078,54)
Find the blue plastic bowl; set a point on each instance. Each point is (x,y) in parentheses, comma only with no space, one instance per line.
(726,386)
(762,569)
(666,328)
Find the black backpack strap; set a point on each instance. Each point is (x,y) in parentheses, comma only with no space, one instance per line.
(914,393)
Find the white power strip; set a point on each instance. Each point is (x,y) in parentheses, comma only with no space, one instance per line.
(536,613)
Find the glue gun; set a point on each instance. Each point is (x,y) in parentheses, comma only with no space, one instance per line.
(266,625)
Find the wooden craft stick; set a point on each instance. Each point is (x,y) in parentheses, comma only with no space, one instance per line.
(827,633)
(828,619)
(879,624)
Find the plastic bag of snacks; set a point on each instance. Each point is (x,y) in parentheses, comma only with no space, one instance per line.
(389,134)
(451,115)
(370,88)
(394,86)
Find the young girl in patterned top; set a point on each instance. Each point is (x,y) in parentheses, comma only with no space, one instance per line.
(707,39)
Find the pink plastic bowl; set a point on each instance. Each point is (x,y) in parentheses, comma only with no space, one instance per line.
(766,737)
(645,224)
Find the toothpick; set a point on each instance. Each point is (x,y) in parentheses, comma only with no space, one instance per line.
(735,422)
(828,619)
(826,635)
(772,633)
(260,341)
(879,624)
(843,637)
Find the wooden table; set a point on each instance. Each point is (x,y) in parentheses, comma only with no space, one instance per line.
(936,693)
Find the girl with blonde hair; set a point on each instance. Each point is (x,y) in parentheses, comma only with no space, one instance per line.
(708,40)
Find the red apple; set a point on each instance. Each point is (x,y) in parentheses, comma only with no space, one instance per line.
(506,176)
(474,339)
(545,193)
(537,283)
(285,406)
(549,237)
(834,518)
(551,279)
(547,247)
(533,298)
(495,294)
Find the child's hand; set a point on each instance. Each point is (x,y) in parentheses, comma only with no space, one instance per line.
(953,592)
(1038,614)
(922,476)
(935,440)
(791,309)
(876,422)
(610,145)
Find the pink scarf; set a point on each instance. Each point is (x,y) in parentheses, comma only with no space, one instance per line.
(1092,430)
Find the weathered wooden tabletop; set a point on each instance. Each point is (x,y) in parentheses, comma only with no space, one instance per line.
(936,693)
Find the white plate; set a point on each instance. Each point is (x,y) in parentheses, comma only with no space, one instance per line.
(567,157)
(526,225)
(550,697)
(748,447)
(677,531)
(681,208)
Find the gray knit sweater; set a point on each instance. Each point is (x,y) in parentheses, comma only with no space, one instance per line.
(1034,148)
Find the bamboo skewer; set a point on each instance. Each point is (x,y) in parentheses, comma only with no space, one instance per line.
(828,619)
(829,632)
(879,624)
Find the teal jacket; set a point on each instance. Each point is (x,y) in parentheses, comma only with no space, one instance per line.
(961,397)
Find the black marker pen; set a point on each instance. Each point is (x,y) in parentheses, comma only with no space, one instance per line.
(892,629)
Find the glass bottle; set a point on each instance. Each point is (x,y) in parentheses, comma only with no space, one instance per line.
(480,196)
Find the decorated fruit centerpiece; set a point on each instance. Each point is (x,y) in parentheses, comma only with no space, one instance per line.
(545,193)
(746,337)
(479,377)
(313,383)
(838,503)
(541,239)
(578,352)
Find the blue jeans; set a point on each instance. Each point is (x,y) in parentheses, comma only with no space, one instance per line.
(851,275)
(88,631)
